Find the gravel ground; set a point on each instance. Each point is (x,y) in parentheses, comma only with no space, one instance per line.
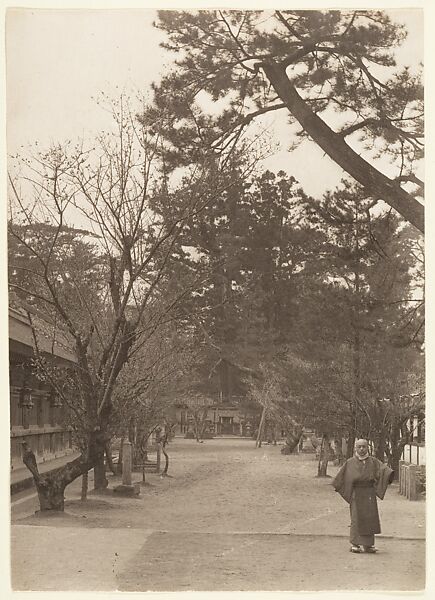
(231,517)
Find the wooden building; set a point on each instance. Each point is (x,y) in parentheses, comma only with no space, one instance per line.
(36,414)
(221,418)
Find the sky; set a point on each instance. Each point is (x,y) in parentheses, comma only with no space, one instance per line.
(59,61)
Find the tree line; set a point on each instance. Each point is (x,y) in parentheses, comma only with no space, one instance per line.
(177,265)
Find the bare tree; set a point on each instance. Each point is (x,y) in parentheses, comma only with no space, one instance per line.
(147,389)
(266,390)
(108,189)
(199,414)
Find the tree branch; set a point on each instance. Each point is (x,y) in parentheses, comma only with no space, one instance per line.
(375,182)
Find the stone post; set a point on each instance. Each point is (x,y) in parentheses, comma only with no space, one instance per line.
(402,477)
(127,488)
(413,495)
(126,463)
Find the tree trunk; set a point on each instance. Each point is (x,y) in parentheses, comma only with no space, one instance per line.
(397,445)
(165,454)
(380,446)
(292,440)
(119,469)
(225,378)
(51,486)
(339,451)
(132,432)
(324,457)
(350,445)
(145,447)
(335,146)
(260,428)
(84,493)
(158,458)
(109,458)
(51,493)
(100,480)
(142,441)
(197,431)
(396,453)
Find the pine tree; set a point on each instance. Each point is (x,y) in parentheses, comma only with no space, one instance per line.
(320,68)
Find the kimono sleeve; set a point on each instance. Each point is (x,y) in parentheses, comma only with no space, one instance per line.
(385,474)
(342,483)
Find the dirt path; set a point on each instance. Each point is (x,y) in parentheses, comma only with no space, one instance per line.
(221,522)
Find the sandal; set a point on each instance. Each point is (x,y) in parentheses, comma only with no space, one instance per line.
(370,549)
(355,549)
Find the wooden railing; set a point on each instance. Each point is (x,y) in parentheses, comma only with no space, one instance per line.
(46,443)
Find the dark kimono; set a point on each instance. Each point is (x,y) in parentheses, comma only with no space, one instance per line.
(359,482)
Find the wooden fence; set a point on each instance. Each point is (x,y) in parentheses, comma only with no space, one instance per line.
(414,453)
(410,478)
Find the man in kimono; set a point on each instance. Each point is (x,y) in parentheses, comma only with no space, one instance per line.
(359,481)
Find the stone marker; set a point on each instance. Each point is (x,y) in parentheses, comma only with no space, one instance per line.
(127,488)
(413,494)
(126,463)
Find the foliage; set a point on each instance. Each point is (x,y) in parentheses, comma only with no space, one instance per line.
(364,340)
(321,68)
(254,248)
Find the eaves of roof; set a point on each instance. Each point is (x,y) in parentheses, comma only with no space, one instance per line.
(21,331)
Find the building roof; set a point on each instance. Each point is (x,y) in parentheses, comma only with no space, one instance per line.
(51,339)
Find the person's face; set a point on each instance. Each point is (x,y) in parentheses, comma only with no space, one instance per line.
(361,448)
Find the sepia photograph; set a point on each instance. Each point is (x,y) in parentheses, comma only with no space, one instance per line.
(216,290)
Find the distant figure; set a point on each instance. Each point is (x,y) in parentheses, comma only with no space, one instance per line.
(359,481)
